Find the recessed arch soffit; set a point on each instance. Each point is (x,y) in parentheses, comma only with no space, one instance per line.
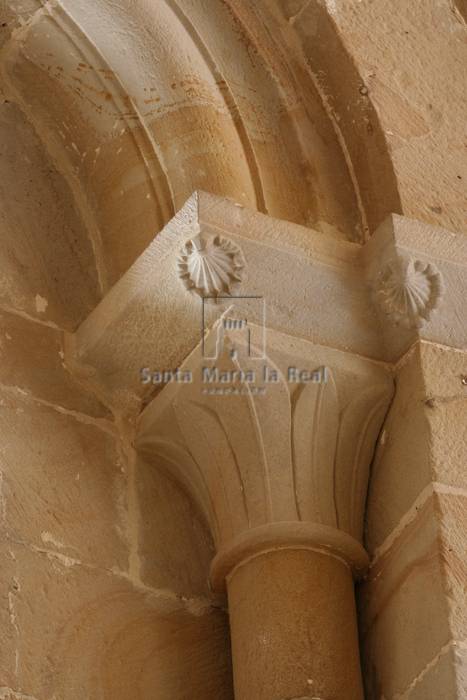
(142,102)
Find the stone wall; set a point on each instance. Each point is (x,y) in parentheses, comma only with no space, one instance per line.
(413,603)
(331,114)
(101,595)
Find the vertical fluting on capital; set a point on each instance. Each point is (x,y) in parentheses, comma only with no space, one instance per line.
(274,458)
(276,452)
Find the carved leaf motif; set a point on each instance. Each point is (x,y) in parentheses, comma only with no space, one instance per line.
(239,422)
(315,426)
(212,267)
(272,413)
(213,452)
(408,291)
(360,424)
(243,446)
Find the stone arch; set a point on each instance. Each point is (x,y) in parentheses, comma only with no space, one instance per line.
(142,103)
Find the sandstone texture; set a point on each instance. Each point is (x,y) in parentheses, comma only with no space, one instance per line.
(415,523)
(160,542)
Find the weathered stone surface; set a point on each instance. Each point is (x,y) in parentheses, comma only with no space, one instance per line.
(174,544)
(405,617)
(280,471)
(417,275)
(154,321)
(330,60)
(414,602)
(297,451)
(80,632)
(294,631)
(451,514)
(32,361)
(9,630)
(445,376)
(424,570)
(422,441)
(330,114)
(401,468)
(443,679)
(421,112)
(147,126)
(63,484)
(48,268)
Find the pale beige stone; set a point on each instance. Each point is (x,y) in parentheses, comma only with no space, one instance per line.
(164,123)
(342,120)
(443,679)
(281,479)
(79,631)
(451,513)
(405,616)
(298,452)
(150,320)
(174,544)
(48,268)
(421,112)
(32,360)
(422,442)
(444,370)
(416,532)
(293,626)
(333,60)
(417,276)
(424,570)
(401,468)
(63,484)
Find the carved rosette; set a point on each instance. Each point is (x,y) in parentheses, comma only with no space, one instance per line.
(408,291)
(211,267)
(285,468)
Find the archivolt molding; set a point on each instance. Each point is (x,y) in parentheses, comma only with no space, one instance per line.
(92,128)
(136,126)
(321,56)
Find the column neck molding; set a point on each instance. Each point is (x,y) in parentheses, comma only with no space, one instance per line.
(287,535)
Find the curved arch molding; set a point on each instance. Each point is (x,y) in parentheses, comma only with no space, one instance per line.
(142,103)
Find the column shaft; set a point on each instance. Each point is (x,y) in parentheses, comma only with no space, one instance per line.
(293,627)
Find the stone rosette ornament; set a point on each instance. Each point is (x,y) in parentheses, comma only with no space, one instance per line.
(211,266)
(408,291)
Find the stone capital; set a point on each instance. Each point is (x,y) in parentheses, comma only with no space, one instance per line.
(256,357)
(295,456)
(273,462)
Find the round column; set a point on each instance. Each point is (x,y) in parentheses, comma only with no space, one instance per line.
(293,627)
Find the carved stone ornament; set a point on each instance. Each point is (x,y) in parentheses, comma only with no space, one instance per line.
(211,267)
(285,466)
(408,291)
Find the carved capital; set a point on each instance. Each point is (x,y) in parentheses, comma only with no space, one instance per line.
(276,451)
(409,278)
